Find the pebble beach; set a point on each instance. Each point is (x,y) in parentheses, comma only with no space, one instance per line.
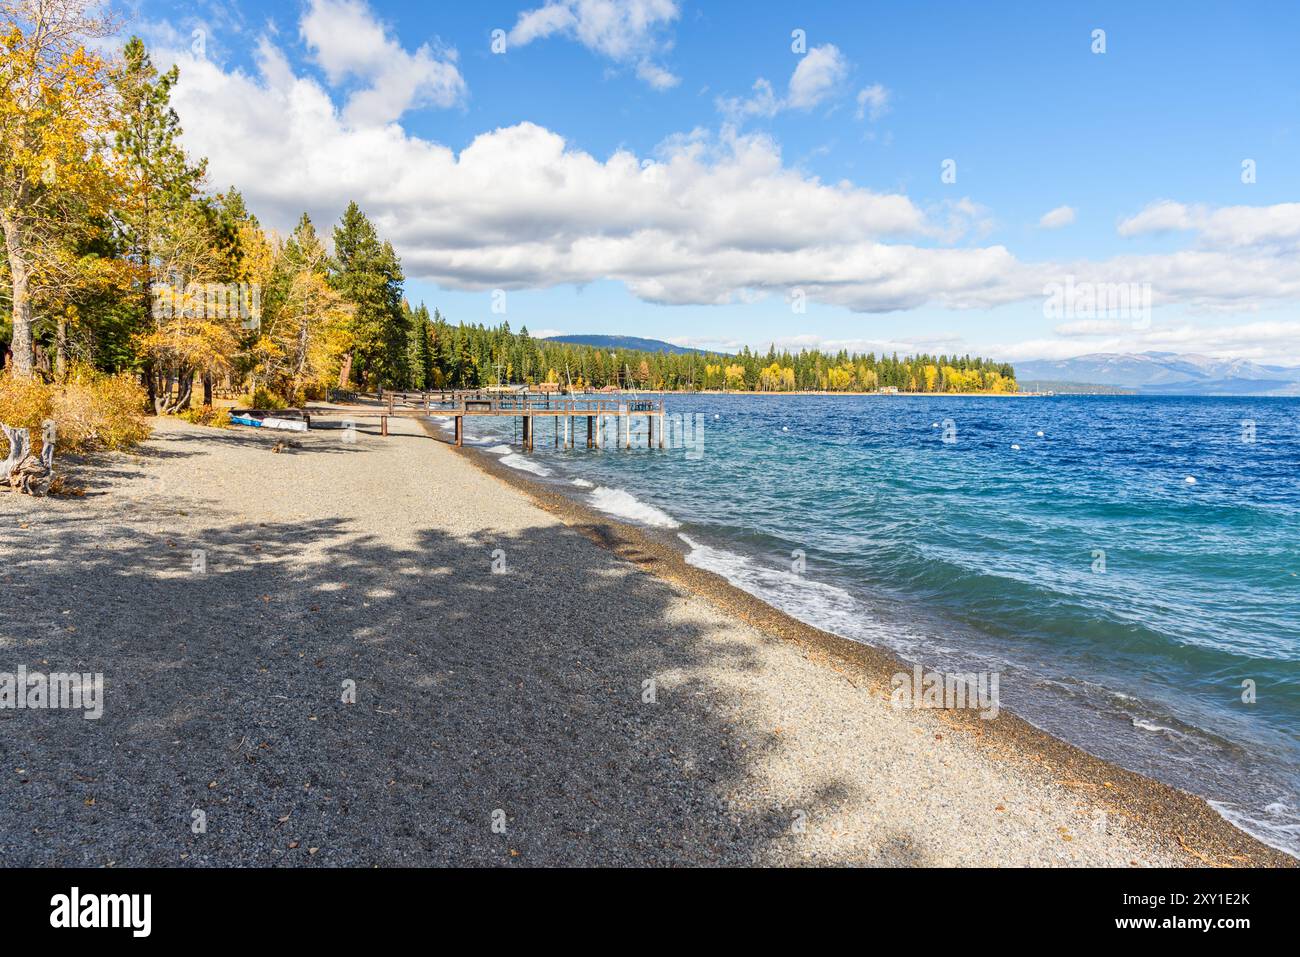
(388,651)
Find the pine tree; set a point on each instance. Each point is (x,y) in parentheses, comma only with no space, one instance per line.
(418,359)
(369,277)
(159,179)
(426,359)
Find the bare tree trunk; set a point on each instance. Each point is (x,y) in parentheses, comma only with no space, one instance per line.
(345,371)
(300,363)
(19,442)
(147,297)
(23,470)
(162,402)
(22,309)
(61,350)
(183,385)
(207,388)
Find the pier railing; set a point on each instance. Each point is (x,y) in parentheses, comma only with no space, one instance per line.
(525,406)
(555,405)
(491,402)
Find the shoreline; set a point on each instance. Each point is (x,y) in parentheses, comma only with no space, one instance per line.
(370,562)
(1181,822)
(878,395)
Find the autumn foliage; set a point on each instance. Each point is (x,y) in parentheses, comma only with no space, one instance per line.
(91,410)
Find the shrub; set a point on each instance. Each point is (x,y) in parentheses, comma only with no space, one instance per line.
(25,403)
(97,410)
(262,398)
(207,415)
(90,410)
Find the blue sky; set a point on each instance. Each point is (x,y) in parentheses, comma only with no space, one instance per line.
(1014,93)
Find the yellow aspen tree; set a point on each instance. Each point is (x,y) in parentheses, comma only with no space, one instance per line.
(53,173)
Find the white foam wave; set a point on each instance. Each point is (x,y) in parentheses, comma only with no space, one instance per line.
(521,463)
(1144,725)
(1278,825)
(817,603)
(615,501)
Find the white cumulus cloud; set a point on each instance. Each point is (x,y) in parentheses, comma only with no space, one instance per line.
(626,31)
(350,44)
(818,74)
(1227,226)
(705,218)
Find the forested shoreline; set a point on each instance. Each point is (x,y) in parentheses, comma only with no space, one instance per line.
(443,355)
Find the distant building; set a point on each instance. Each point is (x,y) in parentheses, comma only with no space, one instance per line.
(889,390)
(547,388)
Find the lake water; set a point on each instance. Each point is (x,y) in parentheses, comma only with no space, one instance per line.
(1056,541)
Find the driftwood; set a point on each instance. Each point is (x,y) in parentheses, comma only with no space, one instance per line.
(24,471)
(18,442)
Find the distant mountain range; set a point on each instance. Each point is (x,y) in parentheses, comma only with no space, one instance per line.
(627,342)
(1167,372)
(1072,388)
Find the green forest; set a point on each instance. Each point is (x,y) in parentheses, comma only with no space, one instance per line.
(442,355)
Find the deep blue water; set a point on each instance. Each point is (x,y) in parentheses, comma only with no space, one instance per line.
(975,556)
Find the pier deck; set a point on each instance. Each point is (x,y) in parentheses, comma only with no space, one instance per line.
(526,408)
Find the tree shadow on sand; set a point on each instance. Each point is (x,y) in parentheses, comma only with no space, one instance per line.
(513,699)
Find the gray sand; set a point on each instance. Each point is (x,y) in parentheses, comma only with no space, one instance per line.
(477,693)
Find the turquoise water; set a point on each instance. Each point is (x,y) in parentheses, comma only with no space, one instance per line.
(1123,606)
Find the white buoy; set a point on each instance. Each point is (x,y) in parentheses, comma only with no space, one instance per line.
(785,428)
(1016,448)
(934,425)
(716,417)
(1040,433)
(1190,480)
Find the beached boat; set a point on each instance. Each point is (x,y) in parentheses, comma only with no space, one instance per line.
(288,420)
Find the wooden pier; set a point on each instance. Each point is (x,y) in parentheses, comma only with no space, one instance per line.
(566,412)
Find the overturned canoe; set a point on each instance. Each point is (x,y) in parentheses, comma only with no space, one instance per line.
(289,420)
(288,425)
